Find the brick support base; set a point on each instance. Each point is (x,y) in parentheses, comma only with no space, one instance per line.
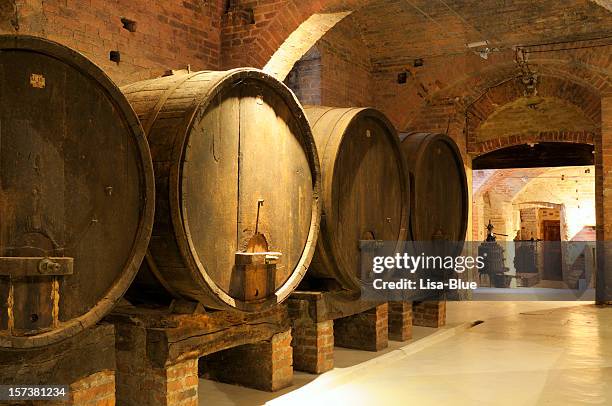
(313,346)
(429,314)
(140,382)
(265,365)
(85,363)
(95,390)
(363,331)
(321,320)
(158,352)
(400,321)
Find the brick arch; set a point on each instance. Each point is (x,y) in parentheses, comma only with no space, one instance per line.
(576,137)
(277,20)
(282,26)
(478,94)
(300,41)
(478,112)
(607,4)
(587,100)
(509,186)
(505,185)
(589,69)
(508,182)
(445,110)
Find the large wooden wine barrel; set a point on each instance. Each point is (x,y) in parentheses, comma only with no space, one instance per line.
(237,188)
(365,188)
(76,193)
(439,200)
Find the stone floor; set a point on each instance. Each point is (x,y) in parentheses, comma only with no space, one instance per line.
(524,353)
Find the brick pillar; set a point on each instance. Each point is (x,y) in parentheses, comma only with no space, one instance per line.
(429,313)
(603,204)
(313,346)
(400,321)
(467,161)
(94,390)
(368,331)
(266,365)
(140,382)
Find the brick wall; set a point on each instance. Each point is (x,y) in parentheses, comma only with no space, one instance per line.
(529,223)
(139,382)
(511,198)
(358,67)
(396,32)
(246,22)
(168,35)
(86,363)
(305,78)
(346,71)
(573,188)
(566,194)
(496,206)
(532,221)
(336,72)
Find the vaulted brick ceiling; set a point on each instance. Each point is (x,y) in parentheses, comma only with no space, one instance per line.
(399,31)
(507,183)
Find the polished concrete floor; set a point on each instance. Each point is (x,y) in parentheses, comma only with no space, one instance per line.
(524,353)
(219,394)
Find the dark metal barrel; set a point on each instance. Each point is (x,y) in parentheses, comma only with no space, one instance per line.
(76,193)
(237,188)
(365,188)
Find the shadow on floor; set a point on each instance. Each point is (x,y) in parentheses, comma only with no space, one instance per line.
(221,394)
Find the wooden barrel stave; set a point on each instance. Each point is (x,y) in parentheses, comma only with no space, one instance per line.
(358,203)
(222,141)
(76,165)
(440,194)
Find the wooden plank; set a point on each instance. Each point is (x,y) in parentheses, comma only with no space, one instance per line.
(274,170)
(63,363)
(210,187)
(35,266)
(172,338)
(323,306)
(5,288)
